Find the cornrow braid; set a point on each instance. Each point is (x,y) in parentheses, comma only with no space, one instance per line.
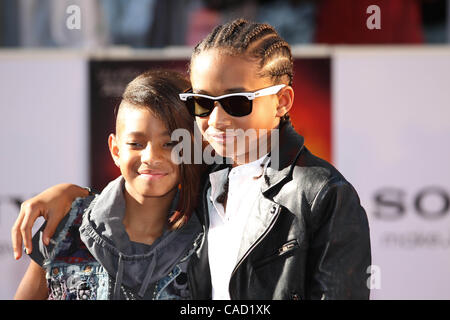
(257,40)
(257,33)
(277,44)
(276,59)
(207,42)
(231,31)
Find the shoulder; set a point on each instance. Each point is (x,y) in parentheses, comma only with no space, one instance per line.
(73,218)
(325,189)
(67,231)
(79,205)
(315,187)
(313,175)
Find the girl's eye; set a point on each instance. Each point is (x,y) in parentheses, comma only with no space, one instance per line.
(135,145)
(170,144)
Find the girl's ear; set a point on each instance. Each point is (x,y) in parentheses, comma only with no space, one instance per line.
(285,101)
(114,148)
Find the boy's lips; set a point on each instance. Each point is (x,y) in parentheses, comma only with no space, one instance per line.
(221,136)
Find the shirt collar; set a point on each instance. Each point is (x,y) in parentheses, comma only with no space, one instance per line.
(251,169)
(254,168)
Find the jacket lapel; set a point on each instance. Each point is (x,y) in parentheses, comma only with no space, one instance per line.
(265,210)
(259,222)
(288,148)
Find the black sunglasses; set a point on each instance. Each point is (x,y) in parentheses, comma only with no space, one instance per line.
(235,104)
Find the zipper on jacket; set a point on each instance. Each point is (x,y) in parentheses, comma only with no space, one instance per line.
(288,246)
(284,249)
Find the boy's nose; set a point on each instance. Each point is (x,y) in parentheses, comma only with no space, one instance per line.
(218,118)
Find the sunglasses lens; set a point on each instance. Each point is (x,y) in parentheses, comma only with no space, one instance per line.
(203,106)
(199,107)
(237,106)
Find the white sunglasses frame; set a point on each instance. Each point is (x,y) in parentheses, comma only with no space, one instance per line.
(249,95)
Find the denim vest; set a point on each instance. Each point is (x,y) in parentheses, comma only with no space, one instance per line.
(72,272)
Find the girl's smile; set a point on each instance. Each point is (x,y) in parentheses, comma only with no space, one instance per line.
(151,175)
(142,149)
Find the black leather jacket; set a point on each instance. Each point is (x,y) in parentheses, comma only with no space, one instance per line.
(307,239)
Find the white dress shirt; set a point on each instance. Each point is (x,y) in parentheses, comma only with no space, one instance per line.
(227,226)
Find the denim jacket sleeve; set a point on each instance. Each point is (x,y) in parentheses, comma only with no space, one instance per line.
(41,253)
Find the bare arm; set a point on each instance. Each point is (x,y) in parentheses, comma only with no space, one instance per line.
(33,285)
(52,204)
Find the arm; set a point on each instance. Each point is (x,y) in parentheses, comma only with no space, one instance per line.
(340,245)
(52,204)
(33,285)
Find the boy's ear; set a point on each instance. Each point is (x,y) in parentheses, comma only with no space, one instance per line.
(114,148)
(285,101)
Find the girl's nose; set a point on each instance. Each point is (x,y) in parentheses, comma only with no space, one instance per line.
(150,155)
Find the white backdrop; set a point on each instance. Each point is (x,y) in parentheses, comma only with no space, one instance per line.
(38,150)
(391,131)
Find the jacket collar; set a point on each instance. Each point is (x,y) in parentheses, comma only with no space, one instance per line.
(284,154)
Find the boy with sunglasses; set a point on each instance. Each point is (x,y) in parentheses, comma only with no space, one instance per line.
(235,104)
(286,227)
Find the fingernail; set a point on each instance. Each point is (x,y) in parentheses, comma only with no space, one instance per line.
(46,240)
(26,250)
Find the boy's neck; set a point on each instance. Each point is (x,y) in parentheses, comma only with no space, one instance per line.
(146,218)
(247,158)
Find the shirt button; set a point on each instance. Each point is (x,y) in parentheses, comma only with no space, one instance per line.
(273,209)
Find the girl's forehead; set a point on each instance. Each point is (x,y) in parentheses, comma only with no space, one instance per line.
(140,119)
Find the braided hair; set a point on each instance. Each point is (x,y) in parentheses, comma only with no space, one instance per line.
(259,41)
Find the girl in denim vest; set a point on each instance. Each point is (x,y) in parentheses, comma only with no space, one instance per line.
(134,239)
